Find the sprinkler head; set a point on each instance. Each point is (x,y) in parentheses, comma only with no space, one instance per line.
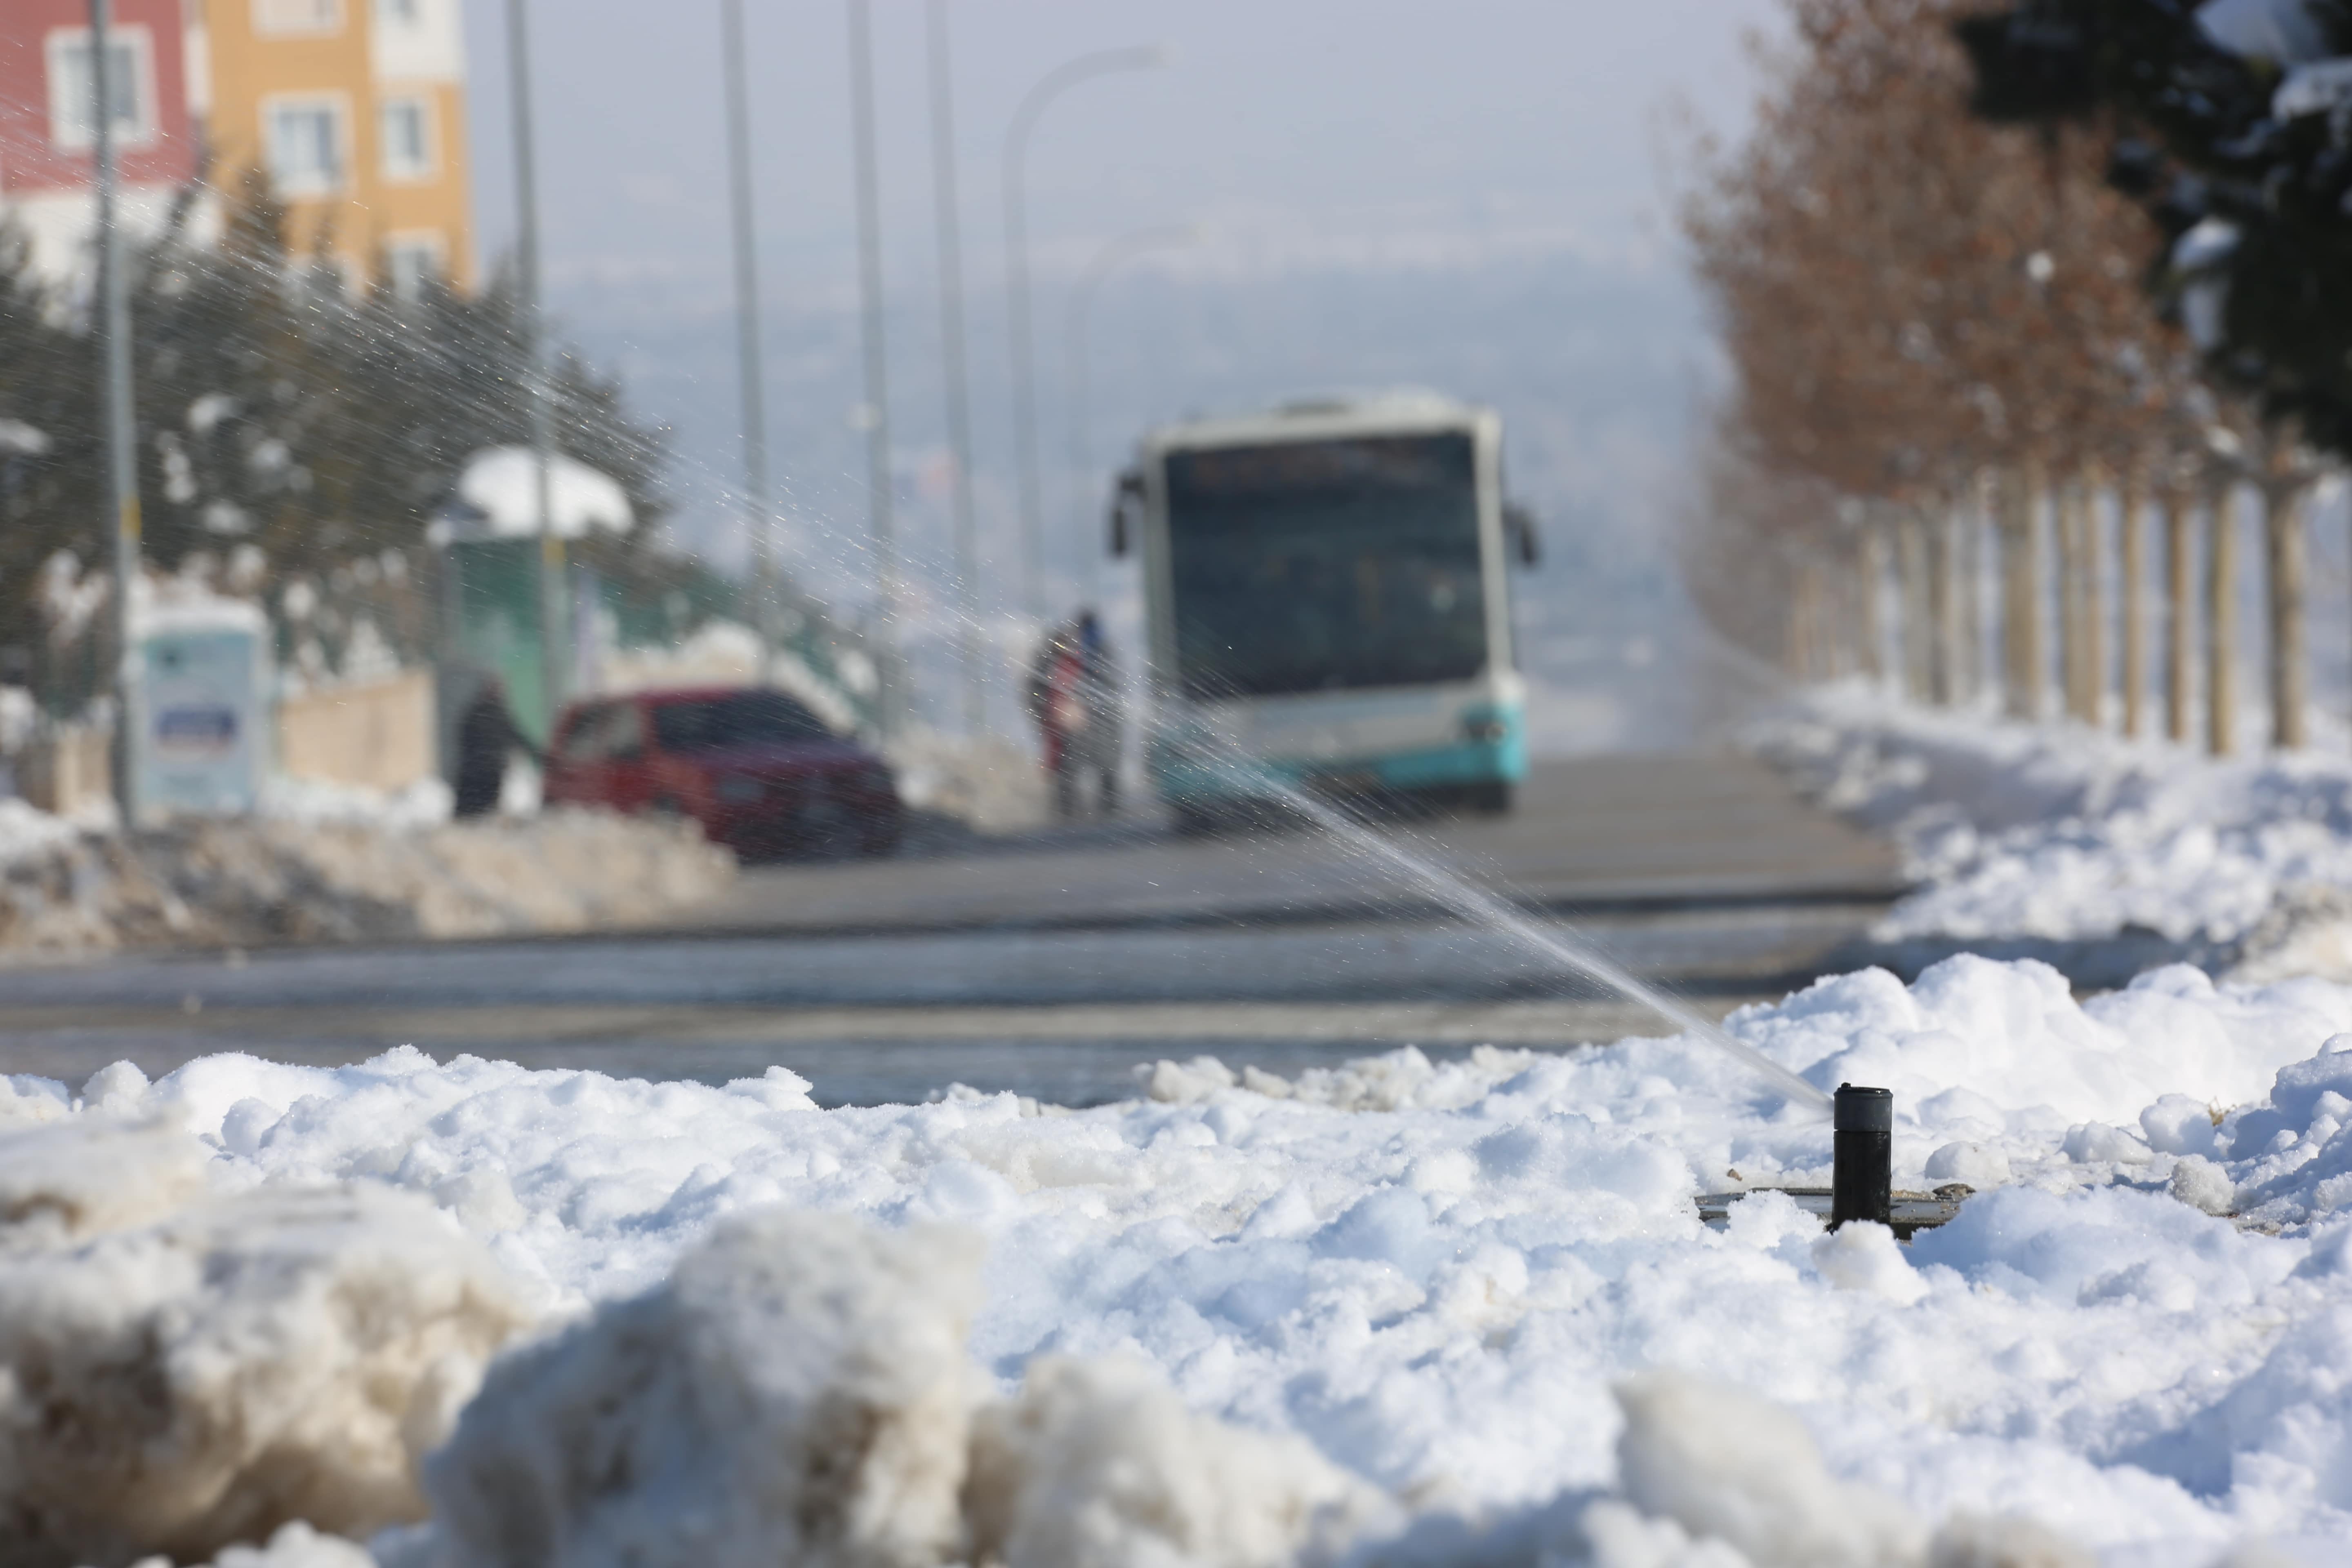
(1861,1180)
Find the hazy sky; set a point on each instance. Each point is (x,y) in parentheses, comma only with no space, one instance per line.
(1291,123)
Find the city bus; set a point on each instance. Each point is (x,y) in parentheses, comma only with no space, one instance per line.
(1327,604)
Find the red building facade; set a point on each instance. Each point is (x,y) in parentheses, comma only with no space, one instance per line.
(46,120)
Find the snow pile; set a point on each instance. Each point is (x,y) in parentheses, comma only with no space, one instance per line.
(2066,834)
(1097,1464)
(1256,1317)
(798,1392)
(181,1371)
(426,803)
(324,877)
(801,1391)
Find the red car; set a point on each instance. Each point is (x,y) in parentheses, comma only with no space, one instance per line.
(759,772)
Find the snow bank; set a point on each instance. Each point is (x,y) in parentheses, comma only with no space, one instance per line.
(1414,1286)
(798,1392)
(330,875)
(2066,834)
(1097,1464)
(181,1371)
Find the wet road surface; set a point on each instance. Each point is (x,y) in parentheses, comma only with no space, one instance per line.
(1052,964)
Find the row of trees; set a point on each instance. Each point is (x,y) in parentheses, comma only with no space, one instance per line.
(294,438)
(1945,357)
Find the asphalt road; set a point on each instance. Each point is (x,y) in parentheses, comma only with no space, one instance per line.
(1052,964)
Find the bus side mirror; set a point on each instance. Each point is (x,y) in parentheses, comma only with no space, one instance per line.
(1520,525)
(1126,497)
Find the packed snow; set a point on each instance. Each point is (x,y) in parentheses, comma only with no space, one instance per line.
(1398,1311)
(498,493)
(2068,834)
(332,864)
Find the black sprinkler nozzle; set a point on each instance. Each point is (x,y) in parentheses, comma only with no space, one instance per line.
(1861,1180)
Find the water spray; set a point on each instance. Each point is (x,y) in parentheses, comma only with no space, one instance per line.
(1476,905)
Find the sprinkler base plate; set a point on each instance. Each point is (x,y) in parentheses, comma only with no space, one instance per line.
(1911,1211)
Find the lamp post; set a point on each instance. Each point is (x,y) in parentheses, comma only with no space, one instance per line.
(875,411)
(949,223)
(1114,255)
(121,428)
(758,519)
(535,377)
(1056,82)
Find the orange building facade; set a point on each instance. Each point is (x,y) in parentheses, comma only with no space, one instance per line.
(354,110)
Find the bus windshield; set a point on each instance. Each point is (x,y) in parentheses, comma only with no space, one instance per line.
(1325,565)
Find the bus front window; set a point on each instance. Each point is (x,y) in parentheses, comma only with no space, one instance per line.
(1326,566)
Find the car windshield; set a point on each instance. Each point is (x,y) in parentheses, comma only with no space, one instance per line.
(738,718)
(1322,565)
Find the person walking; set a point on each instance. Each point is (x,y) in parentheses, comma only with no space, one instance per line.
(487,736)
(1073,700)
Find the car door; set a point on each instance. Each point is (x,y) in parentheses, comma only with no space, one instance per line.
(568,758)
(630,766)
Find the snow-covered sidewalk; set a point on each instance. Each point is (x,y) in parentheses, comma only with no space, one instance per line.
(2059,834)
(1387,1313)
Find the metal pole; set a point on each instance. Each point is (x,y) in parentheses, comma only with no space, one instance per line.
(121,419)
(1016,287)
(1107,260)
(878,416)
(535,376)
(951,364)
(758,519)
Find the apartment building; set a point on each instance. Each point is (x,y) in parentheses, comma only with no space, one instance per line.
(46,125)
(352,111)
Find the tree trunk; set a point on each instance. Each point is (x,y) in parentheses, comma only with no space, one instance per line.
(2283,534)
(2132,524)
(1873,609)
(2020,609)
(2221,624)
(2179,573)
(1917,620)
(2091,597)
(1944,523)
(2065,539)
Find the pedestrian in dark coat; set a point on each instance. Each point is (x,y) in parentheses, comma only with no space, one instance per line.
(487,735)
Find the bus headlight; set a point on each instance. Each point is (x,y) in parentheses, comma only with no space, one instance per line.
(1486,726)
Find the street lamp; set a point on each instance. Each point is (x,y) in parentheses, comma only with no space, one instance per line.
(1114,255)
(949,223)
(758,523)
(1056,82)
(535,376)
(875,413)
(121,431)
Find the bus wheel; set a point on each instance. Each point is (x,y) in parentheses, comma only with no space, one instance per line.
(1491,799)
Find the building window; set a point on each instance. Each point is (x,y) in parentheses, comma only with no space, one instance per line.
(305,138)
(130,85)
(298,16)
(412,261)
(408,138)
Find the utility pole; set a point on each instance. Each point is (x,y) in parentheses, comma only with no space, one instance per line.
(1056,82)
(758,519)
(1076,375)
(951,365)
(121,418)
(876,411)
(551,617)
